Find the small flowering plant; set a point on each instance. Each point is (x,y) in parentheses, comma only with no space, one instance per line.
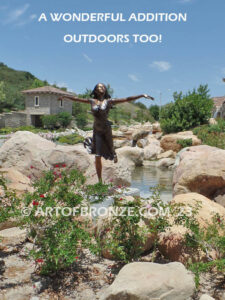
(59,238)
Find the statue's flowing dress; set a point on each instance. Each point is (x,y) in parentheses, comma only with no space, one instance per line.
(101,144)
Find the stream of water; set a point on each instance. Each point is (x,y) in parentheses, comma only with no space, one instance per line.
(146,177)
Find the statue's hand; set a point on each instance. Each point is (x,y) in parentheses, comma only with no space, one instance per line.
(148,97)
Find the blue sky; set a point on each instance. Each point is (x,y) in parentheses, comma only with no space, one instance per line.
(191,53)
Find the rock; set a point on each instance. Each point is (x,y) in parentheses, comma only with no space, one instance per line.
(212,121)
(104,229)
(16,276)
(152,149)
(121,143)
(207,206)
(156,127)
(165,163)
(167,154)
(140,134)
(134,156)
(16,180)
(12,237)
(169,141)
(143,281)
(206,297)
(142,143)
(12,222)
(220,200)
(31,155)
(158,135)
(201,170)
(172,242)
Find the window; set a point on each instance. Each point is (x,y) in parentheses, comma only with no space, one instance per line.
(60,103)
(36,101)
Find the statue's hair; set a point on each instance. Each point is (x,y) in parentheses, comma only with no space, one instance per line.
(94,94)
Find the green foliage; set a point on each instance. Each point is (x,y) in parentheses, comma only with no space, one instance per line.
(185,143)
(50,121)
(212,135)
(81,119)
(187,111)
(2,94)
(154,111)
(38,83)
(61,119)
(140,105)
(64,118)
(59,237)
(71,139)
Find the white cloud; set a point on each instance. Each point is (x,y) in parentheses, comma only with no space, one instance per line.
(15,15)
(32,17)
(161,66)
(87,58)
(133,77)
(223,71)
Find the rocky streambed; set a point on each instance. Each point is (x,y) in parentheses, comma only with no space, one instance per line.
(146,158)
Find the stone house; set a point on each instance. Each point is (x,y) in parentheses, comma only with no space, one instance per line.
(39,101)
(219,107)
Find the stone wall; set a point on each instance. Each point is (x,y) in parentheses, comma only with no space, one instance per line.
(48,104)
(13,119)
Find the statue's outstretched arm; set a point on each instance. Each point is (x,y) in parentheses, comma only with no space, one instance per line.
(76,99)
(132,98)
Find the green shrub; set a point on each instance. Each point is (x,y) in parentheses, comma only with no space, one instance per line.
(184,143)
(212,135)
(49,121)
(187,111)
(81,120)
(154,110)
(64,118)
(71,139)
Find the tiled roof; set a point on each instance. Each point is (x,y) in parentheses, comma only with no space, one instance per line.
(47,90)
(218,101)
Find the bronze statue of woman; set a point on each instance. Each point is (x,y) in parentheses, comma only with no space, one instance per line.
(101,144)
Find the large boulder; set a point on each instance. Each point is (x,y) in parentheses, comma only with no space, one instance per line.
(16,180)
(104,229)
(200,169)
(172,242)
(133,156)
(11,237)
(153,149)
(169,141)
(143,281)
(31,155)
(118,143)
(165,163)
(140,133)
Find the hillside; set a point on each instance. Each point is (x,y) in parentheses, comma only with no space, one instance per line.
(12,82)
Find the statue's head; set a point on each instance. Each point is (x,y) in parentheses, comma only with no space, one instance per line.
(100,92)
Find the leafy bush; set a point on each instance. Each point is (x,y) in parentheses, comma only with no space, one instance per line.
(81,120)
(49,121)
(64,118)
(59,238)
(187,111)
(71,139)
(212,135)
(185,143)
(154,110)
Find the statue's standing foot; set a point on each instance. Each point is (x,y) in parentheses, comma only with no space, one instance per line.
(115,159)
